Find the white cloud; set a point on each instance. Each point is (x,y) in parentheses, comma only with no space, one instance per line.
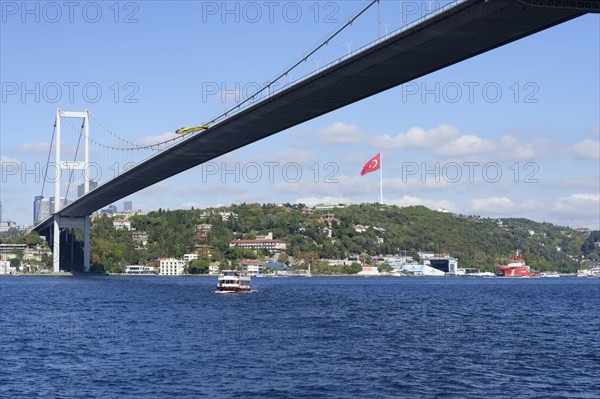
(297,155)
(443,140)
(417,138)
(341,133)
(4,159)
(501,206)
(413,185)
(35,147)
(408,200)
(581,204)
(586,149)
(150,140)
(312,201)
(465,146)
(43,148)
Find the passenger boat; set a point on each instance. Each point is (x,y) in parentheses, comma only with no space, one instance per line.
(549,274)
(232,281)
(517,268)
(593,271)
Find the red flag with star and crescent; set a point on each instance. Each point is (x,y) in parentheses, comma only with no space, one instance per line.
(373,165)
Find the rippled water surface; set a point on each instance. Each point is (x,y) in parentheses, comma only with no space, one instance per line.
(151,337)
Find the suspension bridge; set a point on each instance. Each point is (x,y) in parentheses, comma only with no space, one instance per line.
(456,32)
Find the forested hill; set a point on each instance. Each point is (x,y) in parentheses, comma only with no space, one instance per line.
(335,234)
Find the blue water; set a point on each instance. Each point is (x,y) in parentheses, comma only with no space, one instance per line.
(151,337)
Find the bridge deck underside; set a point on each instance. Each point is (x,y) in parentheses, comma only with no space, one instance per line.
(467,30)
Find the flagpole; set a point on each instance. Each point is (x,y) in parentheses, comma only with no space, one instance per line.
(381,178)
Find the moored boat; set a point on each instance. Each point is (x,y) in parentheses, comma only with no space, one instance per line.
(517,268)
(593,271)
(549,274)
(232,281)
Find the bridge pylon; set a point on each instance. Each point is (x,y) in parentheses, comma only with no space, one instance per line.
(61,222)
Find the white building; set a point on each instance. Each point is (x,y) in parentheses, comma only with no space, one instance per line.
(426,254)
(190,257)
(170,267)
(140,270)
(213,268)
(140,236)
(225,216)
(6,268)
(275,245)
(359,228)
(446,264)
(252,267)
(122,224)
(422,270)
(204,227)
(369,270)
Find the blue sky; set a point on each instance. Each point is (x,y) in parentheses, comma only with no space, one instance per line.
(529,110)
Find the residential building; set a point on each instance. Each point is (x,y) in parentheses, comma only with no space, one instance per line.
(170,267)
(122,224)
(426,254)
(204,227)
(213,268)
(359,228)
(7,225)
(227,215)
(6,268)
(139,236)
(252,267)
(320,207)
(273,245)
(190,257)
(140,270)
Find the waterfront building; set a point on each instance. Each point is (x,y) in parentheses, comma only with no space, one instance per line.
(171,267)
(446,264)
(252,267)
(6,268)
(369,270)
(140,270)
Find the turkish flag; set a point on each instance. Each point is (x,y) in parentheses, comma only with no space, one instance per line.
(373,165)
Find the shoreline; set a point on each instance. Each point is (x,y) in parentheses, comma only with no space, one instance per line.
(70,274)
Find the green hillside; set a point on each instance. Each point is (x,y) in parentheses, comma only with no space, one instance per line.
(476,242)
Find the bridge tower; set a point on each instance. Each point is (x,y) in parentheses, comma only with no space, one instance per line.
(63,222)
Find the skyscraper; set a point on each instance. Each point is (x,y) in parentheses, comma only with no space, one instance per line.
(44,211)
(128,206)
(81,187)
(36,208)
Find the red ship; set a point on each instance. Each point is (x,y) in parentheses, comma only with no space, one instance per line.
(517,268)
